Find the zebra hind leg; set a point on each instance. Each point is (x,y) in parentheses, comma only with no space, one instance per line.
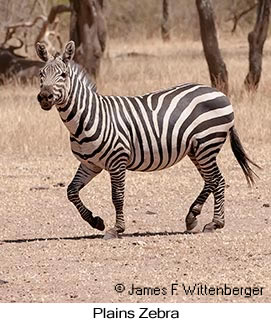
(82,177)
(196,207)
(218,220)
(213,183)
(118,187)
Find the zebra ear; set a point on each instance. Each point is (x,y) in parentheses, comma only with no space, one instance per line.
(68,52)
(42,52)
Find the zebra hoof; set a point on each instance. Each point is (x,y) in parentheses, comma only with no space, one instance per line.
(208,228)
(98,223)
(191,222)
(111,234)
(212,226)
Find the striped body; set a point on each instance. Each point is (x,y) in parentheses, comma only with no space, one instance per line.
(149,132)
(140,133)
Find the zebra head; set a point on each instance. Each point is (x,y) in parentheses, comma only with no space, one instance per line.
(54,76)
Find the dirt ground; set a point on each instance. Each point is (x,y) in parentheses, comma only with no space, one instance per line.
(49,254)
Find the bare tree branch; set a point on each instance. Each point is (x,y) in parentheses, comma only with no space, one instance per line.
(56,10)
(44,33)
(42,6)
(237,16)
(27,23)
(47,20)
(33,7)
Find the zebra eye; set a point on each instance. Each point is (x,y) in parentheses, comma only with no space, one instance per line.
(63,75)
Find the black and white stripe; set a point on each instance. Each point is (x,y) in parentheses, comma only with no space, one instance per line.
(141,133)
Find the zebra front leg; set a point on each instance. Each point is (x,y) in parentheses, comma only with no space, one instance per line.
(118,187)
(82,177)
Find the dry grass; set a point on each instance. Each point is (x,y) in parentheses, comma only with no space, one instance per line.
(136,19)
(27,130)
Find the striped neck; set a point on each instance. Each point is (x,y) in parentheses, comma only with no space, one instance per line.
(78,104)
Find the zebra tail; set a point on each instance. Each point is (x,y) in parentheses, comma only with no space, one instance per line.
(242,158)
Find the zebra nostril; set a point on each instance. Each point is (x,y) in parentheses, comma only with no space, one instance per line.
(39,97)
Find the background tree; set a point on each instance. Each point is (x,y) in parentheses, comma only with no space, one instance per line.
(88,30)
(23,22)
(256,40)
(165,25)
(217,67)
(238,13)
(25,32)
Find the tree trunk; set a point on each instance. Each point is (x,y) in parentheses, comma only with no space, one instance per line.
(165,25)
(256,39)
(216,65)
(88,31)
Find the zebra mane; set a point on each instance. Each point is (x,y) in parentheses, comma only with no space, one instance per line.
(83,75)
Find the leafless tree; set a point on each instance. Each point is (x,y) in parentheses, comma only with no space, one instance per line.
(49,23)
(21,67)
(88,30)
(47,31)
(256,40)
(165,25)
(216,65)
(236,16)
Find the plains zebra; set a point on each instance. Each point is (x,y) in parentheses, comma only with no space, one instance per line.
(139,133)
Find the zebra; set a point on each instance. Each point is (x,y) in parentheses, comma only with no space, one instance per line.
(143,133)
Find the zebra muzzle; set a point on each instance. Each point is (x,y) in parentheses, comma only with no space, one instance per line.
(46,100)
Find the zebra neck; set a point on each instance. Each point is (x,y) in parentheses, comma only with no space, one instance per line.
(79,108)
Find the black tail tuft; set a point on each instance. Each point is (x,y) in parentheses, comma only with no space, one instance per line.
(242,157)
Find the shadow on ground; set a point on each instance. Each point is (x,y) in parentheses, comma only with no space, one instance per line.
(99,236)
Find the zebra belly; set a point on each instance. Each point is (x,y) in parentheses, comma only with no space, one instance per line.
(158,155)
